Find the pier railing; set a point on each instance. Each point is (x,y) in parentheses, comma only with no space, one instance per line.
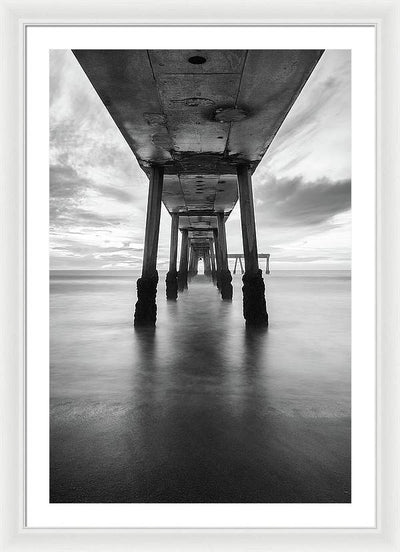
(239,256)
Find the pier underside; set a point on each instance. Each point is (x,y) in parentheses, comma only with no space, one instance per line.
(199,122)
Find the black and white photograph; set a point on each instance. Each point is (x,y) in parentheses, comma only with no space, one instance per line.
(200,247)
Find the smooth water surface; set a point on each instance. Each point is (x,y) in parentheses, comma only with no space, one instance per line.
(200,409)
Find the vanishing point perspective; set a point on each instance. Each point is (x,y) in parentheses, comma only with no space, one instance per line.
(199,123)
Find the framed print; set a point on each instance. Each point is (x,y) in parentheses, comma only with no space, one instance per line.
(204,274)
(198,122)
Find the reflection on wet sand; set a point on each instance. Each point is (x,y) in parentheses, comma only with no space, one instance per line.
(200,409)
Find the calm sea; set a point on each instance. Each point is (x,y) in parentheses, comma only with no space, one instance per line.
(201,409)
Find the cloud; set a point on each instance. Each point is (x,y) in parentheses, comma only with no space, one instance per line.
(115,193)
(295,202)
(81,216)
(308,117)
(66,183)
(315,138)
(119,253)
(68,205)
(98,192)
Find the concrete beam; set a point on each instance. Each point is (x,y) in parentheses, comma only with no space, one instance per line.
(183,261)
(207,262)
(254,305)
(200,213)
(222,241)
(240,255)
(212,256)
(224,275)
(173,251)
(145,308)
(247,219)
(171,278)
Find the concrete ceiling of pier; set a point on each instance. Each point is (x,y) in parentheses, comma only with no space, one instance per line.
(198,113)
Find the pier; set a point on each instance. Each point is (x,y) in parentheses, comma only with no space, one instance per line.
(199,123)
(239,256)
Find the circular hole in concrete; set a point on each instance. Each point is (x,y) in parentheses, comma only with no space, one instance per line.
(197,60)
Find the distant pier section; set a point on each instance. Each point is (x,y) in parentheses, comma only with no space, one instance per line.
(239,256)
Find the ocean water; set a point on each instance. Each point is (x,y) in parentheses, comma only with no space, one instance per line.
(200,409)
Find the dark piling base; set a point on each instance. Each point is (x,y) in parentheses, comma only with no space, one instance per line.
(224,285)
(146,308)
(172,286)
(182,281)
(254,304)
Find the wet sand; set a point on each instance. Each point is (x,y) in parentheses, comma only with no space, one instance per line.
(201,409)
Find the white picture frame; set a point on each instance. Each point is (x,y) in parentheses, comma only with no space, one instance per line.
(386,18)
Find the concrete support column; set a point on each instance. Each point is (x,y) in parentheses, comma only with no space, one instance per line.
(171,279)
(146,308)
(212,257)
(225,275)
(192,262)
(254,304)
(190,253)
(195,262)
(207,263)
(183,262)
(217,259)
(190,259)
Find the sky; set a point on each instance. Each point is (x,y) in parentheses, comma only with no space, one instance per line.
(302,187)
